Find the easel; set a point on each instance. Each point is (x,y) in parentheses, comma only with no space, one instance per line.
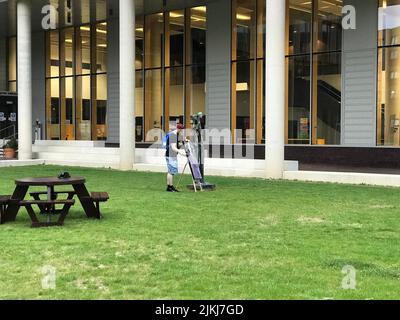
(196,182)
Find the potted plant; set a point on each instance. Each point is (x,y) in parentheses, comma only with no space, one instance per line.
(10,149)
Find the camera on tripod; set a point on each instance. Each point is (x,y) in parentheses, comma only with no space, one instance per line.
(197,120)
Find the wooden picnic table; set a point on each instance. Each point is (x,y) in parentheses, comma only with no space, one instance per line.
(22,186)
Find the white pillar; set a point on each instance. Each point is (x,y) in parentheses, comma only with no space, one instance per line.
(24,61)
(127,83)
(275,89)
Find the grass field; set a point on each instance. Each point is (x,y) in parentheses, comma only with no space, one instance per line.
(250,239)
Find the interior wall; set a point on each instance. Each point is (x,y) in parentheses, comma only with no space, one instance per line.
(113,81)
(359,69)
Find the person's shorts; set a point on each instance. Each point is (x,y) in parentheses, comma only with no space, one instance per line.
(172,164)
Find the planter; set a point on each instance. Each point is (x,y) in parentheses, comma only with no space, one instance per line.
(9,154)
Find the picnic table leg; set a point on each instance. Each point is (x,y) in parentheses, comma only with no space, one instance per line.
(85,199)
(13,207)
(64,212)
(41,207)
(32,215)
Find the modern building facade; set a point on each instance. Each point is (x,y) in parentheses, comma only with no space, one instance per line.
(285,76)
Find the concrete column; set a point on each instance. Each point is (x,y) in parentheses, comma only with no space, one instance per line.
(275,89)
(24,61)
(127,83)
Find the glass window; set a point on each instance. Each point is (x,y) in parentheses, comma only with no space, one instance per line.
(83,50)
(101,10)
(196,76)
(198,29)
(83,108)
(84,10)
(245,100)
(12,59)
(153,100)
(176,37)
(329,25)
(76,90)
(314,80)
(139,43)
(101,47)
(389,22)
(245,29)
(299,87)
(388,110)
(139,110)
(12,86)
(300,23)
(329,87)
(154,39)
(67,67)
(176,96)
(67,109)
(101,107)
(53,50)
(53,109)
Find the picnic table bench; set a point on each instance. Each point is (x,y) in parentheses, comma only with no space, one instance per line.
(89,202)
(48,206)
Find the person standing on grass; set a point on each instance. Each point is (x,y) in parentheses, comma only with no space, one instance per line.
(171,156)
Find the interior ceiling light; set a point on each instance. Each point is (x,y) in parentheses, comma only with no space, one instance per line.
(243,17)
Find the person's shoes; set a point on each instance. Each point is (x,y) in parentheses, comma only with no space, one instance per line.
(175,189)
(170,189)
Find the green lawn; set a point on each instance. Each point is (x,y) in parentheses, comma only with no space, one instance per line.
(251,239)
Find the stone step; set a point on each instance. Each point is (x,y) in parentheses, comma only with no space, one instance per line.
(70,143)
(76,150)
(95,157)
(84,164)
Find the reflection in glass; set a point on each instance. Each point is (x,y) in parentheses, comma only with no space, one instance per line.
(83,53)
(245,99)
(54,109)
(300,14)
(388,113)
(154,39)
(85,11)
(101,47)
(299,100)
(197,89)
(12,86)
(67,103)
(101,10)
(53,50)
(83,116)
(101,107)
(198,27)
(329,89)
(12,59)
(139,43)
(389,22)
(329,25)
(176,96)
(139,110)
(67,67)
(176,38)
(245,28)
(153,100)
